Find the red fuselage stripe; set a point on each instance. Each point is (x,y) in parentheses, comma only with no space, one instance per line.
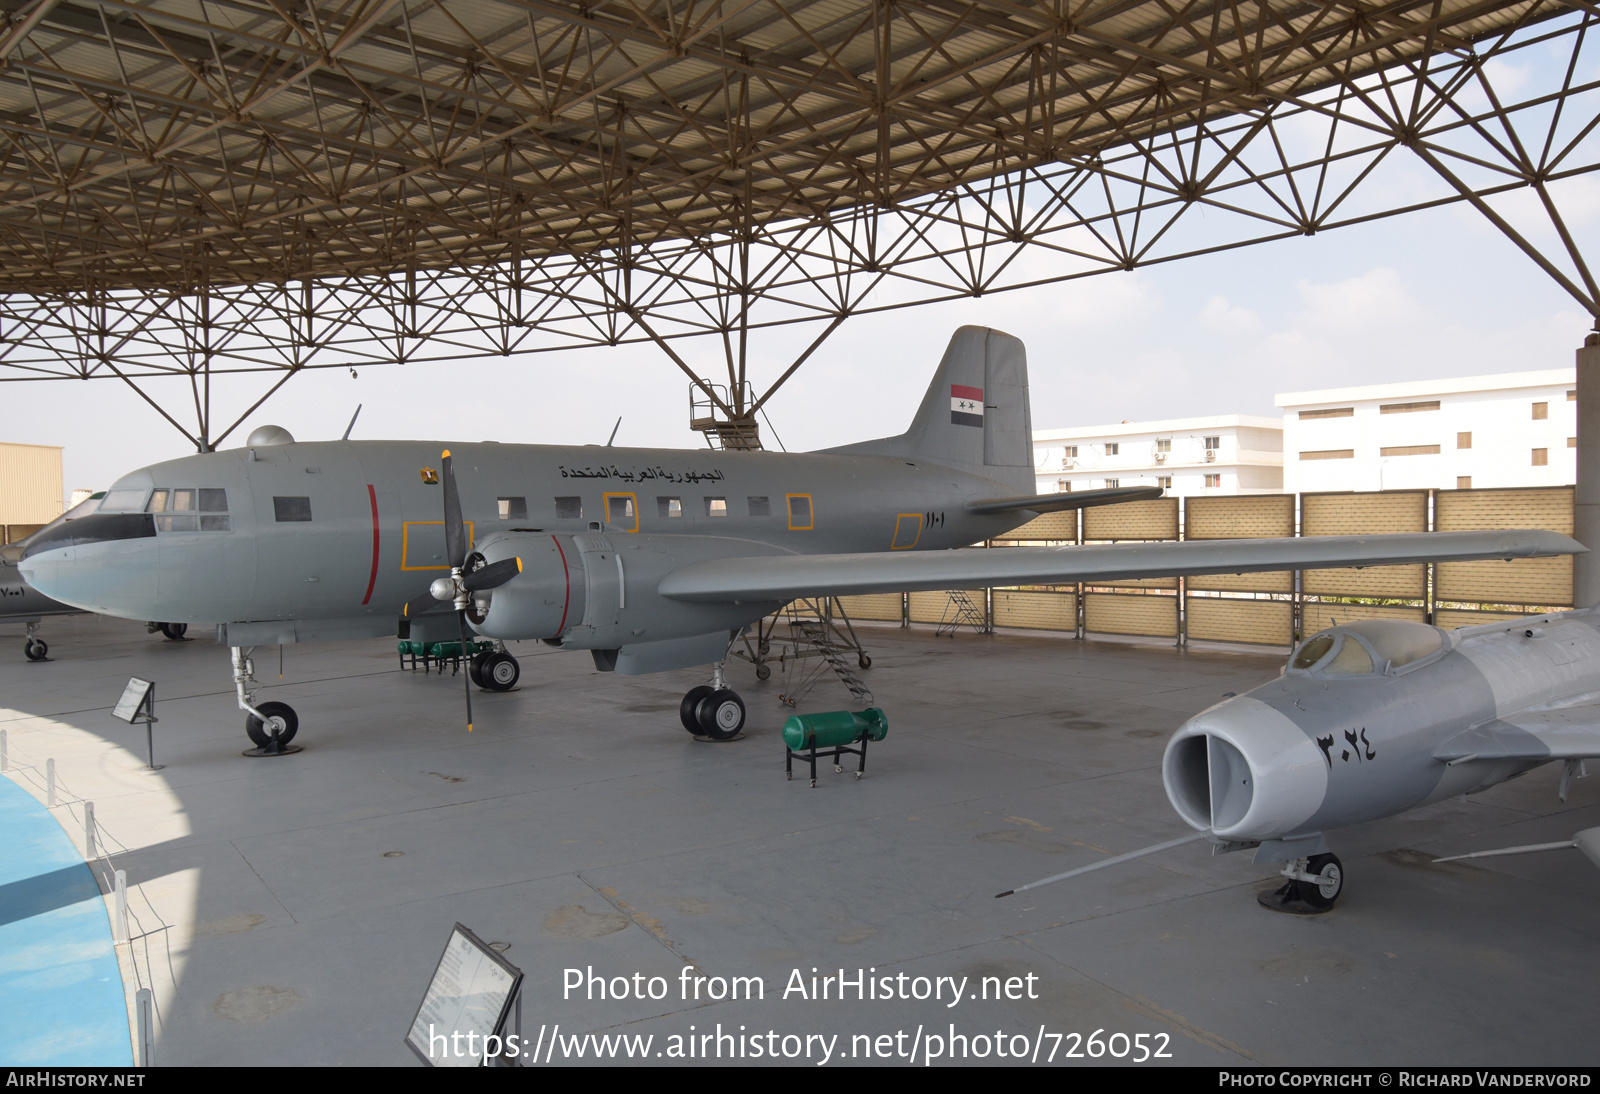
(568,575)
(372,581)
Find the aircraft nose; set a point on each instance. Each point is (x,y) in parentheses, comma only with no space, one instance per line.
(103,562)
(1244,771)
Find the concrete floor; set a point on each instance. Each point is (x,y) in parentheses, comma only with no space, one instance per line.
(291,910)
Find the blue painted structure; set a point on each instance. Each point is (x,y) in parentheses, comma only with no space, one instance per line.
(61,999)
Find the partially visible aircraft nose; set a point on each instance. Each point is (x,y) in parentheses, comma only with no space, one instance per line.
(103,562)
(1244,771)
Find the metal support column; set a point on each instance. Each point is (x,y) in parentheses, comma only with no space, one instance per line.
(1586,495)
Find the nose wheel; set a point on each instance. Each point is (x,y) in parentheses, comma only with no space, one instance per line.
(270,726)
(1312,887)
(35,649)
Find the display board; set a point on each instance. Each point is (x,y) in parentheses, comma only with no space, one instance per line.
(471,991)
(134,697)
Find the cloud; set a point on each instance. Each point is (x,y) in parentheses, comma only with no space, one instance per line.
(1225,318)
(1377,298)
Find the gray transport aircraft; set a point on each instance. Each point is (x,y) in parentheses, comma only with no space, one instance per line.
(1375,718)
(649,559)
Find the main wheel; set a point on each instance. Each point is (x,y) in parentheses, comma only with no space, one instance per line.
(282,723)
(35,649)
(475,669)
(1329,884)
(174,631)
(499,672)
(690,704)
(721,715)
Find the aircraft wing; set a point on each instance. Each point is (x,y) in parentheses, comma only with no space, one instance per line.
(1566,733)
(1057,503)
(785,577)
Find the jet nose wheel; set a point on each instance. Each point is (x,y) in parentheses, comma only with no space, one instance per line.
(271,736)
(1325,890)
(721,715)
(35,650)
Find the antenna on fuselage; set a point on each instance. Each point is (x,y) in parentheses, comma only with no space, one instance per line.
(352,424)
(614,431)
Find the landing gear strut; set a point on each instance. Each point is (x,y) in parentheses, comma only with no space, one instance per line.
(34,648)
(270,726)
(1313,885)
(713,711)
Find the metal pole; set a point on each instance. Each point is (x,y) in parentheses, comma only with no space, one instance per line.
(1586,493)
(88,832)
(147,1034)
(120,888)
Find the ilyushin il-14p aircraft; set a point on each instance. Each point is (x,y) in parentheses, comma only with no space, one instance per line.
(1374,718)
(648,559)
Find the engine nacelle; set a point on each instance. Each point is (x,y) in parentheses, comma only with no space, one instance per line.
(597,590)
(1244,771)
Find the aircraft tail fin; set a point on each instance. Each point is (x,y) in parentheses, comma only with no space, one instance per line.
(975,413)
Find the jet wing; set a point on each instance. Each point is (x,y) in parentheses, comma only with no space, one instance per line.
(1566,733)
(786,577)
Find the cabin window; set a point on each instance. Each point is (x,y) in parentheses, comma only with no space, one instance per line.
(1164,481)
(760,507)
(1113,448)
(513,508)
(569,508)
(1541,457)
(669,508)
(291,509)
(716,507)
(1541,411)
(174,510)
(619,510)
(801,519)
(1463,440)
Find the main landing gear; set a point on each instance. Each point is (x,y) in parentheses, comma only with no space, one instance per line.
(1314,884)
(713,711)
(174,632)
(34,648)
(270,726)
(495,670)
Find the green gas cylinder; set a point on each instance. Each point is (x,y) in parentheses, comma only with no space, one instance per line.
(834,727)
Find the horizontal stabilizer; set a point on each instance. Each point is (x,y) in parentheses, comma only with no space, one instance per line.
(1056,503)
(786,577)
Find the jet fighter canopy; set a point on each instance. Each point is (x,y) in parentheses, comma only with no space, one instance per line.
(1360,647)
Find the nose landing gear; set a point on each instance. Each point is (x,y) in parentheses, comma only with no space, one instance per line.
(34,649)
(270,726)
(1314,884)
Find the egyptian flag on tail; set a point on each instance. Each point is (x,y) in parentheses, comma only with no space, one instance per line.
(966,405)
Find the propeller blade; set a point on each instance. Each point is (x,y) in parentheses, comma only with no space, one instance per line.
(454,535)
(466,677)
(493,575)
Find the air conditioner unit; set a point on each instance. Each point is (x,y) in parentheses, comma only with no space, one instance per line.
(1161,457)
(1211,455)
(1068,463)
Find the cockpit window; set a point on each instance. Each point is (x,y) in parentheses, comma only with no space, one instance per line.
(1312,652)
(1351,660)
(123,501)
(1399,641)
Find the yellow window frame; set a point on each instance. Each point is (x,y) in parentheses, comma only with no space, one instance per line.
(899,522)
(605,507)
(811,507)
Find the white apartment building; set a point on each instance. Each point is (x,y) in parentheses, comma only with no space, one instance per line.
(1225,454)
(1514,429)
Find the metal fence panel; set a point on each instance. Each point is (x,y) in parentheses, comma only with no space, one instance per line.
(1036,610)
(1546,581)
(1262,622)
(1365,514)
(1451,618)
(1244,516)
(1156,518)
(883,606)
(1051,527)
(1126,613)
(1319,617)
(929,607)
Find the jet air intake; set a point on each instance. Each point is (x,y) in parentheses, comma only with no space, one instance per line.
(1243,771)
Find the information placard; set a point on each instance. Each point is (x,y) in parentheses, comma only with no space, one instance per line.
(466,1002)
(133,699)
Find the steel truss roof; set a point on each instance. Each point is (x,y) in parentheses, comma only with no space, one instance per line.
(268,185)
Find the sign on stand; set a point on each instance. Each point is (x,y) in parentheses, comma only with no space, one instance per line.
(463,1014)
